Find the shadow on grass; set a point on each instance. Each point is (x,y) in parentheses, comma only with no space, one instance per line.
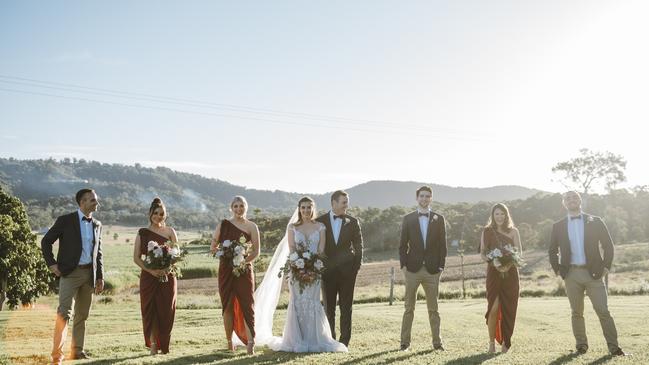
(473,359)
(565,358)
(265,357)
(366,357)
(602,360)
(113,360)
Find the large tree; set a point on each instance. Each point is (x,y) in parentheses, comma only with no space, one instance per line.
(590,168)
(24,276)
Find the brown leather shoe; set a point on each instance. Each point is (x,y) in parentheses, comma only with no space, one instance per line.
(438,348)
(618,352)
(582,349)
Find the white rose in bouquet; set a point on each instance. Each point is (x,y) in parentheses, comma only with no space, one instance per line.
(151,245)
(318,264)
(293,256)
(496,263)
(157,251)
(219,253)
(237,260)
(306,255)
(175,252)
(299,264)
(226,243)
(238,250)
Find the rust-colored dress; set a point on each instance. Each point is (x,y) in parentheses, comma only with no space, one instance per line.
(237,291)
(504,287)
(157,300)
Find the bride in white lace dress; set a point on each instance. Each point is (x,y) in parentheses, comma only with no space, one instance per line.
(306,328)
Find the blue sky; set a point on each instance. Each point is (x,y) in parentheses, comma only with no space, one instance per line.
(315,96)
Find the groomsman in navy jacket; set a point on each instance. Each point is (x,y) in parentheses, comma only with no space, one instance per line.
(422,254)
(575,255)
(79,265)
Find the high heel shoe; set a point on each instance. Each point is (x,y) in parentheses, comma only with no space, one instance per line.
(250,347)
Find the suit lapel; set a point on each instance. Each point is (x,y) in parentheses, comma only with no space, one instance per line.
(429,232)
(587,230)
(415,222)
(77,227)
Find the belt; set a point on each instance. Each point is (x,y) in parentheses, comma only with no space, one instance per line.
(579,266)
(84,266)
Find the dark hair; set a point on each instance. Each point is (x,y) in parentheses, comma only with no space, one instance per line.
(337,194)
(304,199)
(508,224)
(81,193)
(424,188)
(155,204)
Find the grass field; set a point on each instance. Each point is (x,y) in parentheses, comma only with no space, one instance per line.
(542,336)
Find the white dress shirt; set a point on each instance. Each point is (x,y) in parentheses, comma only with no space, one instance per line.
(336,225)
(87,236)
(576,236)
(423,224)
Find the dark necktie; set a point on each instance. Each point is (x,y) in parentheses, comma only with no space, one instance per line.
(89,220)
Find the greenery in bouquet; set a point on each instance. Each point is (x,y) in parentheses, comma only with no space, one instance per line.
(236,252)
(303,266)
(165,257)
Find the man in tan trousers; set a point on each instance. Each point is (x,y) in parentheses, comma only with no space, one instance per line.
(575,255)
(422,254)
(79,265)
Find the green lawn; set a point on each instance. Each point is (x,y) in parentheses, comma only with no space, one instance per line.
(542,335)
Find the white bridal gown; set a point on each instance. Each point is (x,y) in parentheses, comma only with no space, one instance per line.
(306,328)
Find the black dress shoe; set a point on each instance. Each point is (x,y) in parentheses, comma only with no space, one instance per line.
(438,347)
(80,356)
(618,352)
(404,348)
(582,350)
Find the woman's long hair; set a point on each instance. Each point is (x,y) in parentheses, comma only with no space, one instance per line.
(305,199)
(508,224)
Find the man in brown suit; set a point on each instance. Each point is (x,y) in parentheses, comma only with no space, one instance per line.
(575,255)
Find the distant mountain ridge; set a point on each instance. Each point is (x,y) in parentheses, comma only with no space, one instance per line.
(46,179)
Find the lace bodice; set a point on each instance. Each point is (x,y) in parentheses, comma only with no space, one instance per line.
(313,238)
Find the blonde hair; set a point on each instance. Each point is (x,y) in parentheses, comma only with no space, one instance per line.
(242,200)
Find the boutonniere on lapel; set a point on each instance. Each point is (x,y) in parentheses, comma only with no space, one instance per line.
(590,219)
(346,220)
(435,217)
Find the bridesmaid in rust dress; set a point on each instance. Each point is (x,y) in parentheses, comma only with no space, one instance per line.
(157,297)
(237,292)
(502,281)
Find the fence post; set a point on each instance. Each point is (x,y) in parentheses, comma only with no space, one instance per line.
(391,299)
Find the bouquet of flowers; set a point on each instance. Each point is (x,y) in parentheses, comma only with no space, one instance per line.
(505,256)
(236,251)
(303,265)
(164,257)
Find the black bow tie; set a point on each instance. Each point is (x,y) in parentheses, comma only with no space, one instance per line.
(576,217)
(423,215)
(86,219)
(342,216)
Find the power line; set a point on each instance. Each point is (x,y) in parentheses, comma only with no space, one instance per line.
(235,108)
